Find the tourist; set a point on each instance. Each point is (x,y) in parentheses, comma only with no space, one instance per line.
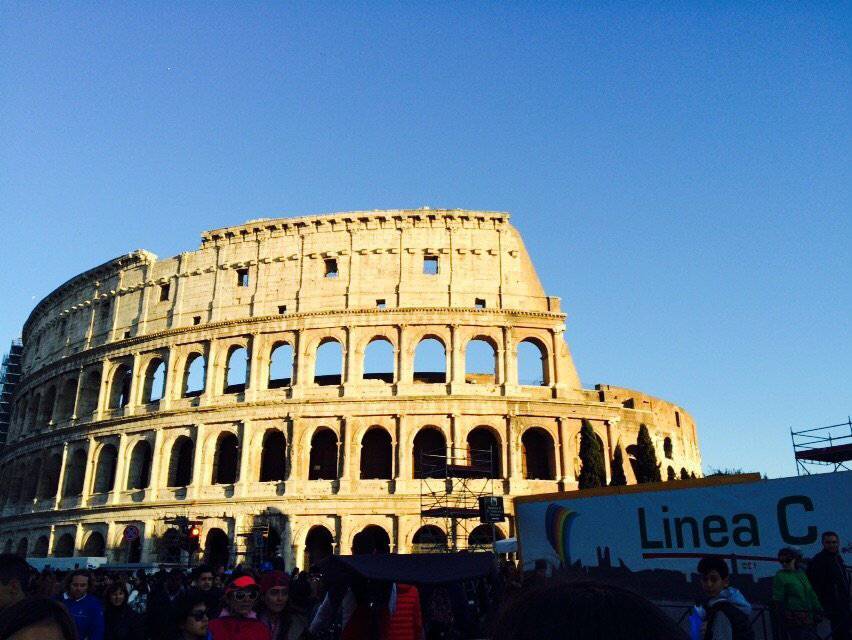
(584,610)
(727,611)
(204,581)
(86,609)
(191,618)
(37,619)
(138,598)
(15,575)
(798,605)
(275,611)
(238,621)
(829,578)
(120,621)
(161,604)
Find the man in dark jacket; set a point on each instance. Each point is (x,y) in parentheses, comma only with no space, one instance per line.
(828,577)
(162,605)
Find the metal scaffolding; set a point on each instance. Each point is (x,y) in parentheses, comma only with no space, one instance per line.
(10,374)
(451,485)
(823,448)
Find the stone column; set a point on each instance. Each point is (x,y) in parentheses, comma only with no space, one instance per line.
(566,450)
(405,354)
(455,368)
(137,383)
(91,472)
(120,469)
(510,353)
(213,375)
(60,487)
(103,392)
(246,473)
(256,367)
(344,453)
(405,470)
(78,539)
(198,466)
(157,482)
(515,466)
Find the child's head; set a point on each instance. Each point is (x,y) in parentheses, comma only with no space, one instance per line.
(714,575)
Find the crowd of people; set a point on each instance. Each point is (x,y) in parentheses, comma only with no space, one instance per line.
(209,603)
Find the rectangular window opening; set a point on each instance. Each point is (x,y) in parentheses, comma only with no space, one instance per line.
(479,303)
(164,292)
(242,278)
(430,265)
(381,303)
(126,335)
(282,309)
(677,418)
(196,320)
(330,268)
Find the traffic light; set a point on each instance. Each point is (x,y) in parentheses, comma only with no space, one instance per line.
(193,535)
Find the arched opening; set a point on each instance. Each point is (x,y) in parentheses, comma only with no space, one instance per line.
(281,362)
(139,473)
(329,363)
(217,548)
(480,362)
(484,536)
(429,539)
(371,540)
(33,412)
(16,484)
(273,456)
(430,452)
(50,480)
(105,469)
(46,411)
(376,455)
(483,451)
(236,374)
(154,384)
(272,544)
(323,457)
(194,373)
(430,361)
(684,474)
(64,546)
(119,390)
(667,447)
(67,397)
(41,547)
(169,546)
(538,455)
(226,459)
(532,363)
(131,551)
(180,464)
(89,394)
(670,474)
(30,488)
(95,546)
(319,545)
(23,547)
(379,360)
(75,474)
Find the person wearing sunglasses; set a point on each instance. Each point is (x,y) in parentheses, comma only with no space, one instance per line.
(238,621)
(191,618)
(795,599)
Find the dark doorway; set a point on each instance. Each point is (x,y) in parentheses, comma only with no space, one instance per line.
(376,455)
(323,458)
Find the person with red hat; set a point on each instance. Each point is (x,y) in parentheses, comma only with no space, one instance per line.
(238,621)
(274,609)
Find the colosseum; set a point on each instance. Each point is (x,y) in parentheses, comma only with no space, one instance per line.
(281,379)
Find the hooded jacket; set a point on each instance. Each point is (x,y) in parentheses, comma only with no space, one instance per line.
(729,617)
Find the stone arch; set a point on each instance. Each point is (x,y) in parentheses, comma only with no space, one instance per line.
(670,474)
(46,410)
(371,540)
(139,472)
(323,455)
(379,360)
(483,536)
(273,456)
(105,469)
(319,545)
(533,369)
(95,545)
(226,459)
(430,360)
(236,369)
(33,411)
(667,448)
(30,488)
(64,546)
(480,360)
(217,548)
(41,548)
(483,451)
(75,473)
(154,381)
(376,454)
(328,362)
(282,361)
(429,539)
(119,388)
(538,454)
(50,479)
(23,547)
(67,398)
(194,375)
(429,449)
(89,391)
(180,462)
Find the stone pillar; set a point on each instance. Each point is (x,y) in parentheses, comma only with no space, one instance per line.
(78,539)
(60,486)
(344,451)
(213,375)
(91,472)
(256,366)
(566,461)
(137,383)
(514,465)
(510,367)
(455,368)
(405,470)
(120,469)
(148,540)
(405,355)
(246,473)
(158,453)
(103,391)
(198,466)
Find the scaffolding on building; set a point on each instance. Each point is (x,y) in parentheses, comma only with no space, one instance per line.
(10,374)
(823,448)
(451,485)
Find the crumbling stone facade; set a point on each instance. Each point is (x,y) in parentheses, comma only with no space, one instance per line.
(133,407)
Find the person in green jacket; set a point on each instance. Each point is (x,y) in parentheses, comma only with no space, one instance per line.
(792,593)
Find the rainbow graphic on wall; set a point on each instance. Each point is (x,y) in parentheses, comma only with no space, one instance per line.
(557,524)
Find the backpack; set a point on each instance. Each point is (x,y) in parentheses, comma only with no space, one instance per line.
(740,623)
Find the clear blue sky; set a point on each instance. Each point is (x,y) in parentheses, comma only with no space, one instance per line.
(680,172)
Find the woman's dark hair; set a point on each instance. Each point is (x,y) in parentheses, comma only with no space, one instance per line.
(584,610)
(115,586)
(31,611)
(184,606)
(712,563)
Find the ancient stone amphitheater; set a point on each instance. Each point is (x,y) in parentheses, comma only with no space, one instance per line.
(278,380)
